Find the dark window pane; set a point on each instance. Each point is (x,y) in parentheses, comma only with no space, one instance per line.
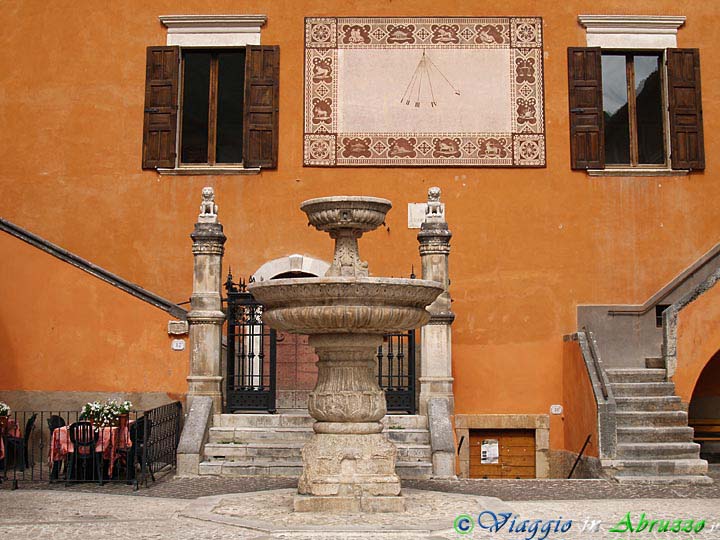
(648,100)
(231,87)
(196,92)
(615,107)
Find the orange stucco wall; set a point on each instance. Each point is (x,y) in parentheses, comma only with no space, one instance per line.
(529,245)
(580,414)
(698,340)
(62,329)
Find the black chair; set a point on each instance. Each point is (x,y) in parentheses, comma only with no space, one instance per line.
(84,439)
(54,422)
(139,434)
(16,448)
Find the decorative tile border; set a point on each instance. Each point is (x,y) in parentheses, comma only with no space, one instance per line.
(523,146)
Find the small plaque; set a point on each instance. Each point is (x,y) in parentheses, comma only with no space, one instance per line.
(178,345)
(556,409)
(177,328)
(416,215)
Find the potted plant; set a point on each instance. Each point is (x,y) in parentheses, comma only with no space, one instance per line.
(93,412)
(110,413)
(120,412)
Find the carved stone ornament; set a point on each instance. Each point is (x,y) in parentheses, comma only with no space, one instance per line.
(208,208)
(435,210)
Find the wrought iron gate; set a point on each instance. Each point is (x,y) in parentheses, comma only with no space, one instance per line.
(251,353)
(396,371)
(251,359)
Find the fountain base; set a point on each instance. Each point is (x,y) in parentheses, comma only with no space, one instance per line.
(349,473)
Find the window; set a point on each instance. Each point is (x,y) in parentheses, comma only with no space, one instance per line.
(635,103)
(213,86)
(210,111)
(633,109)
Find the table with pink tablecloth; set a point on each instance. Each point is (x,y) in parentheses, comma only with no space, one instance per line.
(12,430)
(110,440)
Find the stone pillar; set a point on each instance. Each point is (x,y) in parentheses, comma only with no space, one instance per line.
(206,316)
(436,381)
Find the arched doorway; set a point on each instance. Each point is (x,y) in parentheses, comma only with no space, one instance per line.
(295,359)
(704,410)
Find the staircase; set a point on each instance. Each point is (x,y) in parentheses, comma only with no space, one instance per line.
(271,445)
(654,442)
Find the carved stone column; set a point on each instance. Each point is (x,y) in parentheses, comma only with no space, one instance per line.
(206,316)
(436,381)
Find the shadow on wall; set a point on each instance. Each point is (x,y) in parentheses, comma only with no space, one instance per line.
(704,410)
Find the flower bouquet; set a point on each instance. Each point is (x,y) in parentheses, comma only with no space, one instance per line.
(110,413)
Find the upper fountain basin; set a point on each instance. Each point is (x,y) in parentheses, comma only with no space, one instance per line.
(345,305)
(346,212)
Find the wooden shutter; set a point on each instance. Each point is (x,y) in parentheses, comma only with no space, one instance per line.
(587,137)
(260,123)
(686,130)
(161,105)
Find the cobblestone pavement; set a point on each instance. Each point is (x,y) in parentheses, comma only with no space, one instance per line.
(507,490)
(61,515)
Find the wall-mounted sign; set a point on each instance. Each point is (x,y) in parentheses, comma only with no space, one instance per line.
(178,345)
(556,409)
(424,91)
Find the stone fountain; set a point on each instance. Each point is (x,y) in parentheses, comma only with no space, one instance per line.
(348,465)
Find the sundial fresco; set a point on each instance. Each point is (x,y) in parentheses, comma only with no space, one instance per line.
(424,91)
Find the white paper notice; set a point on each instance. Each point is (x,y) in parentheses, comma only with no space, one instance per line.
(489,451)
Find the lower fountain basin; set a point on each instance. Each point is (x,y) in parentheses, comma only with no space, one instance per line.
(345,305)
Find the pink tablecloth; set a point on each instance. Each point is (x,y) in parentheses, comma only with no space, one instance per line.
(12,430)
(110,440)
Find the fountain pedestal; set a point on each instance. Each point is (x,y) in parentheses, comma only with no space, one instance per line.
(348,465)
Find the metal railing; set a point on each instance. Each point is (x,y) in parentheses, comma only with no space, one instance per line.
(396,371)
(61,447)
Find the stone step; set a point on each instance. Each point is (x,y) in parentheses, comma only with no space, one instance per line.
(654,467)
(292,469)
(650,403)
(664,450)
(642,389)
(651,418)
(668,480)
(261,420)
(303,434)
(636,375)
(252,452)
(654,434)
(655,362)
(256,468)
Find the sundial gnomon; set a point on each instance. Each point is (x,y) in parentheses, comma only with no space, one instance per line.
(421,83)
